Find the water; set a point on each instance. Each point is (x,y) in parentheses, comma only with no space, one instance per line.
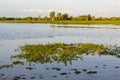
(14,35)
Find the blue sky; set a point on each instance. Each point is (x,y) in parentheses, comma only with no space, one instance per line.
(23,8)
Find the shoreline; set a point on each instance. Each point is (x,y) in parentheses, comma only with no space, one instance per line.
(66,22)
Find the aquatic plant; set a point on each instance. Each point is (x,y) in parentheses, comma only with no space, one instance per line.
(6,66)
(59,52)
(16,78)
(117,67)
(84,70)
(57,69)
(18,62)
(2,75)
(113,50)
(63,73)
(92,72)
(77,72)
(29,68)
(54,76)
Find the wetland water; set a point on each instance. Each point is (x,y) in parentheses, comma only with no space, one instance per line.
(90,67)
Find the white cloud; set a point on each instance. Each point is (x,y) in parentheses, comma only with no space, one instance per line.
(36,10)
(116,5)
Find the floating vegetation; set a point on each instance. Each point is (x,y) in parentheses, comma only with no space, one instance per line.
(18,63)
(57,69)
(16,78)
(96,66)
(32,77)
(112,50)
(41,77)
(29,68)
(47,68)
(2,75)
(117,67)
(54,76)
(23,78)
(6,66)
(63,73)
(73,69)
(77,72)
(84,70)
(59,52)
(20,77)
(92,72)
(104,65)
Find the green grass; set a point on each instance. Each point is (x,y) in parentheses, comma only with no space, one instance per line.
(116,22)
(87,22)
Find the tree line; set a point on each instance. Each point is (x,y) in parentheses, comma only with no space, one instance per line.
(53,16)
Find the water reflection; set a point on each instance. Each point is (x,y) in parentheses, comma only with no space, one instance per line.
(113,51)
(87,26)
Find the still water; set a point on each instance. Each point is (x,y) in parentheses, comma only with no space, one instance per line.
(103,67)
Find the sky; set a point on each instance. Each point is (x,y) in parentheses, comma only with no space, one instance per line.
(34,8)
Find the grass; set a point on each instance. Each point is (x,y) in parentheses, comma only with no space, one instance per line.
(114,22)
(87,22)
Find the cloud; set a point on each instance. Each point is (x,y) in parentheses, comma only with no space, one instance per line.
(116,5)
(35,10)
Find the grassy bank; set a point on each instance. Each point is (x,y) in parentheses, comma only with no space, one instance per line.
(87,22)
(64,22)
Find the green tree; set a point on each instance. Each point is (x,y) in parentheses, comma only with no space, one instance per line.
(3,18)
(59,16)
(39,18)
(29,18)
(89,17)
(99,18)
(83,17)
(52,16)
(45,18)
(93,18)
(65,16)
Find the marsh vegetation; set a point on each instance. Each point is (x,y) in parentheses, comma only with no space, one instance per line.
(58,52)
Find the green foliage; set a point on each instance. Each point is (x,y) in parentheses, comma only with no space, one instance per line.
(58,52)
(63,18)
(52,16)
(18,62)
(6,66)
(59,16)
(89,17)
